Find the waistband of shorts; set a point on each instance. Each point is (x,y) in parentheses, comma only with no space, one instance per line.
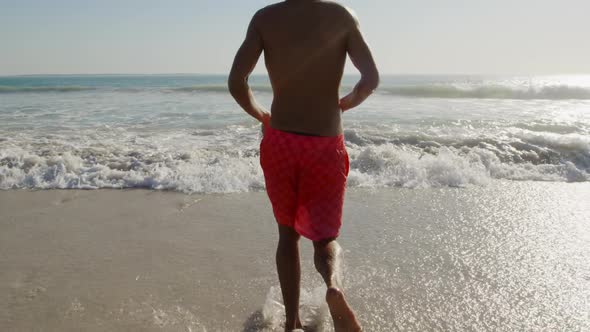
(271,130)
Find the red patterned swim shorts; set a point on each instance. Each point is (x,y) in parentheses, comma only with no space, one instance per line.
(305,181)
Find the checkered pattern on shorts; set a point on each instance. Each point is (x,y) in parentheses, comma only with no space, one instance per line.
(305,181)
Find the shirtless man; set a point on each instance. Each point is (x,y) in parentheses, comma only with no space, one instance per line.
(302,154)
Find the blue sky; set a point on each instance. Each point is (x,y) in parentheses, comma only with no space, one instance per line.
(201,36)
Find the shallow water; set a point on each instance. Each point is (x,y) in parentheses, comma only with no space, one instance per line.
(509,256)
(505,258)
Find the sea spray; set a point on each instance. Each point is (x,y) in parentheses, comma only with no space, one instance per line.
(314,313)
(211,164)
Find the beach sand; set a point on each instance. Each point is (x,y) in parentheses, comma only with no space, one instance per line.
(505,257)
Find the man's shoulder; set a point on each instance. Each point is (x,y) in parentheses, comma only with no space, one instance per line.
(269,9)
(338,9)
(345,12)
(335,7)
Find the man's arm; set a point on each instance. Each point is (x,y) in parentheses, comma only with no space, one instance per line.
(243,65)
(361,57)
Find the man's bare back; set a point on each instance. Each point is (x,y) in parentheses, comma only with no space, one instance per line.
(305,43)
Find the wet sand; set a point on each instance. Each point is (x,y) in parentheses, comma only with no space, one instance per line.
(509,256)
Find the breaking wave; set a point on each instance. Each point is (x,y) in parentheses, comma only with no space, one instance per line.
(216,88)
(189,163)
(556,92)
(25,89)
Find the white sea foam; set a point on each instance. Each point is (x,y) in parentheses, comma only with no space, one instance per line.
(119,162)
(558,92)
(314,311)
(225,161)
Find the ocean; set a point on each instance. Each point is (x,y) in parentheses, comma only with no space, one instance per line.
(467,207)
(185,133)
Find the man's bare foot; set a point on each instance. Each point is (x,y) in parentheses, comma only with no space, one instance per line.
(343,316)
(298,327)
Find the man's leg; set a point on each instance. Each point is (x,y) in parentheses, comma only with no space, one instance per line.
(327,262)
(289,271)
